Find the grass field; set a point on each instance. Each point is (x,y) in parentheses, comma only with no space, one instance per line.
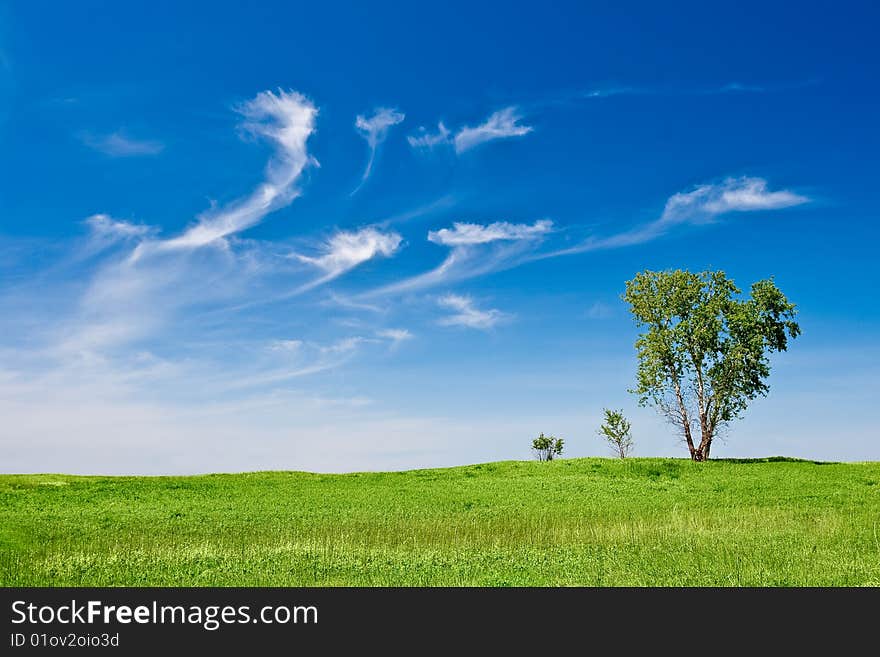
(569,522)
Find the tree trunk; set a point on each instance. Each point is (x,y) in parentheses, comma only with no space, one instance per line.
(690,442)
(685,420)
(702,452)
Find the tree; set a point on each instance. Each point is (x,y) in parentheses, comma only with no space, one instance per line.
(616,433)
(703,354)
(547,447)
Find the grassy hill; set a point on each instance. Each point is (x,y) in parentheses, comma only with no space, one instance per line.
(569,522)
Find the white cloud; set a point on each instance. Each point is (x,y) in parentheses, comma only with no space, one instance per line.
(286,119)
(294,359)
(476,249)
(457,265)
(351,304)
(375,129)
(467,314)
(286,346)
(466,233)
(396,336)
(98,331)
(118,144)
(132,298)
(501,124)
(106,228)
(607,92)
(728,88)
(343,346)
(347,249)
(699,205)
(743,194)
(272,377)
(338,255)
(443,203)
(425,139)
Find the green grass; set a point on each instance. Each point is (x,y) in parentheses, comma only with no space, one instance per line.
(570,522)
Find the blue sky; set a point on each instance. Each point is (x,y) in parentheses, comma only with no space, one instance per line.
(365,236)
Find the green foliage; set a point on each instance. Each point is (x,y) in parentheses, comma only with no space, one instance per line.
(703,355)
(616,431)
(547,447)
(571,522)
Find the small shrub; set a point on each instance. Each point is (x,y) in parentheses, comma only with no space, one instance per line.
(616,433)
(547,447)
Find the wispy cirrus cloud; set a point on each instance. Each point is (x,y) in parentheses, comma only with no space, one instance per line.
(503,124)
(395,335)
(138,289)
(442,203)
(294,358)
(345,250)
(500,125)
(290,359)
(425,139)
(106,227)
(607,92)
(743,194)
(351,304)
(466,314)
(106,232)
(463,233)
(476,249)
(700,205)
(760,87)
(374,130)
(287,120)
(709,89)
(634,90)
(286,346)
(120,144)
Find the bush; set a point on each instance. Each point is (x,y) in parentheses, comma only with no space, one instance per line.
(547,447)
(615,431)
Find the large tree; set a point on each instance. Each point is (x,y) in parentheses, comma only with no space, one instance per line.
(703,354)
